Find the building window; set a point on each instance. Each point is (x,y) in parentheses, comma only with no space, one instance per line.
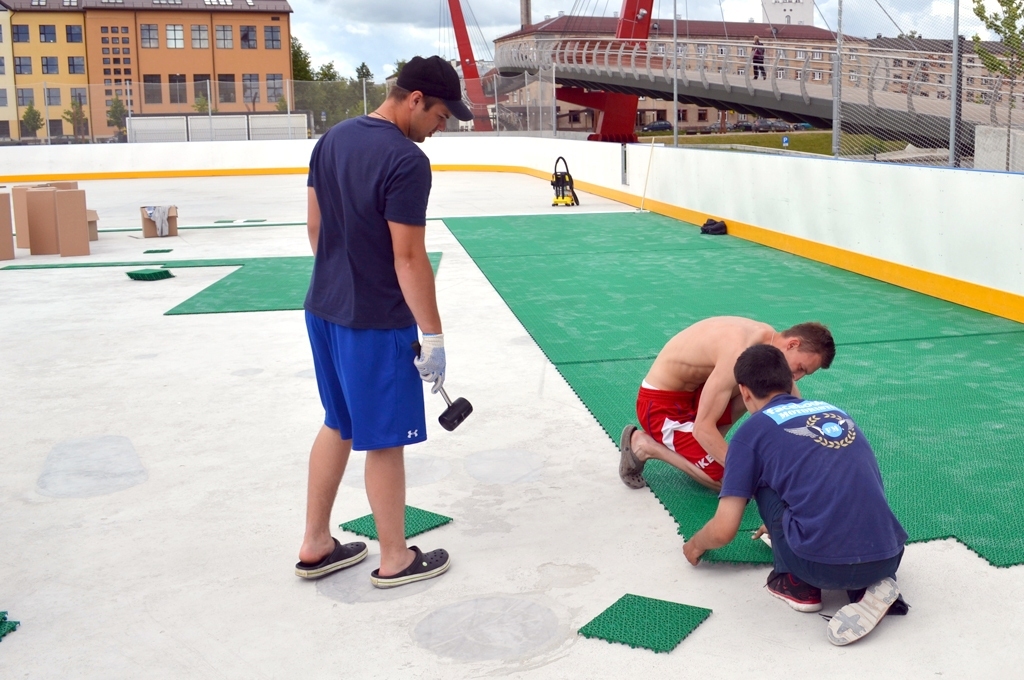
(175,37)
(49,65)
(201,86)
(226,88)
(150,35)
(19,33)
(780,74)
(76,65)
(3,67)
(116,60)
(106,60)
(106,50)
(200,37)
(52,96)
(224,39)
(23,66)
(152,92)
(5,125)
(247,37)
(48,34)
(104,29)
(115,41)
(125,50)
(124,41)
(682,115)
(275,87)
(801,54)
(73,34)
(854,77)
(78,94)
(104,41)
(722,51)
(816,55)
(817,75)
(117,50)
(106,71)
(741,51)
(702,49)
(117,71)
(56,127)
(26,96)
(250,88)
(3,97)
(702,114)
(127,71)
(272,37)
(177,89)
(741,71)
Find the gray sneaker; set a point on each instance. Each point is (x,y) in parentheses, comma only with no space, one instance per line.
(857,619)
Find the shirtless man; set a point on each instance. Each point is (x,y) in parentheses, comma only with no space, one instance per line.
(690,398)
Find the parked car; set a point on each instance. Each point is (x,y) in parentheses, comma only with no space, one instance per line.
(803,126)
(658,126)
(742,126)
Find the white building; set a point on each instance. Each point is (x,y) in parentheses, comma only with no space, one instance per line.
(797,12)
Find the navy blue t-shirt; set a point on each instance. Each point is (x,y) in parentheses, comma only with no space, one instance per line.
(822,467)
(365,172)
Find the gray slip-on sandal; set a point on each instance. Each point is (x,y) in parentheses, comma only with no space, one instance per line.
(424,566)
(341,557)
(630,467)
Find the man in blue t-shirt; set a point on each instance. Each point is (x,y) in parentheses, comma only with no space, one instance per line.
(372,285)
(819,492)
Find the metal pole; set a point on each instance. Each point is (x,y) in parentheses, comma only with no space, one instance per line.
(675,77)
(288,104)
(46,113)
(954,87)
(209,106)
(554,104)
(497,119)
(364,96)
(129,95)
(837,85)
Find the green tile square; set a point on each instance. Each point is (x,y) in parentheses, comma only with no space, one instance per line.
(157,250)
(6,626)
(416,522)
(639,621)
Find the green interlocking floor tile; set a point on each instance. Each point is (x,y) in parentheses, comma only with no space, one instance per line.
(645,622)
(416,522)
(7,626)
(936,387)
(157,250)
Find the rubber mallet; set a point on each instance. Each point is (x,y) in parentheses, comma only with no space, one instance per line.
(457,410)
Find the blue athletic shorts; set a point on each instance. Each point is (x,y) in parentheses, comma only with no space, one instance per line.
(370,389)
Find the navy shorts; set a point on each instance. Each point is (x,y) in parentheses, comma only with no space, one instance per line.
(371,392)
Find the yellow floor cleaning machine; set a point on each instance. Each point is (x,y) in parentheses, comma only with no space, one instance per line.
(565,194)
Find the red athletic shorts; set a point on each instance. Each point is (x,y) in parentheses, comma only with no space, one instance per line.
(668,417)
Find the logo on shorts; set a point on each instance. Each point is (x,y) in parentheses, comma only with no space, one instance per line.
(413,433)
(836,432)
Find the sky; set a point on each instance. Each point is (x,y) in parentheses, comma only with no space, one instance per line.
(380,32)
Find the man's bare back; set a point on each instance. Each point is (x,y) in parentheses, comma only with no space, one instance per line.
(689,358)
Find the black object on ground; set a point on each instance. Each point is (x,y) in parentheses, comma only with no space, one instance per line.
(714,227)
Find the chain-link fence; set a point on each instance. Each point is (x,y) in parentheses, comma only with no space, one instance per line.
(523,104)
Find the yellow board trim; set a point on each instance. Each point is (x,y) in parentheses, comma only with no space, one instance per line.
(982,298)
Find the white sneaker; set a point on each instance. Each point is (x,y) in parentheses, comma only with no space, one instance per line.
(857,619)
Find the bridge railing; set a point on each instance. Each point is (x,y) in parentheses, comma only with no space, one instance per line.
(898,96)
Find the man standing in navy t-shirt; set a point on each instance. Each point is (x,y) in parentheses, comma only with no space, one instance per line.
(372,285)
(819,492)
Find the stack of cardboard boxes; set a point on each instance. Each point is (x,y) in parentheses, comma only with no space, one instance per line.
(49,219)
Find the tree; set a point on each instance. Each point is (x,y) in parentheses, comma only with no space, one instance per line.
(399,65)
(117,114)
(302,67)
(32,120)
(327,73)
(363,72)
(1009,26)
(76,117)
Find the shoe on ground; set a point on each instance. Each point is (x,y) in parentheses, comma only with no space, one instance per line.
(801,596)
(631,468)
(341,557)
(424,566)
(857,619)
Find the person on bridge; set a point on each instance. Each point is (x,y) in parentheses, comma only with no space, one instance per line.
(372,285)
(758,58)
(819,492)
(690,399)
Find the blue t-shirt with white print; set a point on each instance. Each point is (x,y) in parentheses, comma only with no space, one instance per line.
(821,465)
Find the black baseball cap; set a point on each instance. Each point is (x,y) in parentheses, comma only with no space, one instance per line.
(435,77)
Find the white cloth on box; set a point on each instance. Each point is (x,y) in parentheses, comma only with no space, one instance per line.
(158,213)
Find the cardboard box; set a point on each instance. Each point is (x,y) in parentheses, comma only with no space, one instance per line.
(6,228)
(63,186)
(149,226)
(42,221)
(93,219)
(72,225)
(20,201)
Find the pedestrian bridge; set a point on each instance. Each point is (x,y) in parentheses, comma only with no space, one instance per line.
(891,93)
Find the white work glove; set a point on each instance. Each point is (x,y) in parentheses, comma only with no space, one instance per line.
(430,363)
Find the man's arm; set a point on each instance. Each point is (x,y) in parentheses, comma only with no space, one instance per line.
(415,276)
(718,531)
(715,398)
(312,218)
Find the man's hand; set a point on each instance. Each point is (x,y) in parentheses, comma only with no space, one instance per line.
(431,361)
(692,552)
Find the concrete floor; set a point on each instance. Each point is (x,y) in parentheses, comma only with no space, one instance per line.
(176,560)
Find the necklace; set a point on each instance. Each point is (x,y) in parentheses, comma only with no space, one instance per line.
(382,117)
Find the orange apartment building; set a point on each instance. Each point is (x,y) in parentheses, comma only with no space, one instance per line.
(157,56)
